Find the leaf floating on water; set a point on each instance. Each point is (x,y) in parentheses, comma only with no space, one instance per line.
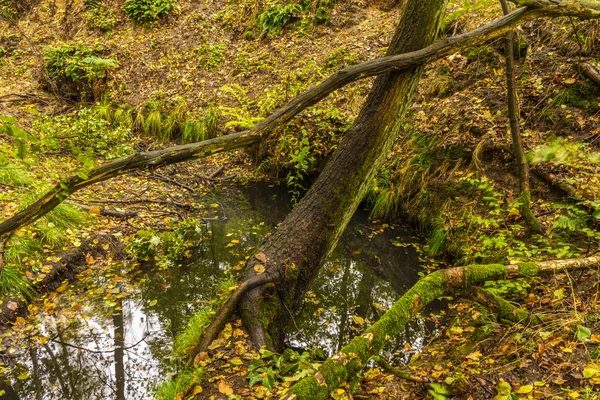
(259,269)
(153,303)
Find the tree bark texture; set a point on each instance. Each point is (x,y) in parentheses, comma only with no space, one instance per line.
(299,245)
(347,363)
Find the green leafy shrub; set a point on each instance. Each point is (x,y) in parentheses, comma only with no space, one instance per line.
(11,9)
(167,247)
(77,71)
(276,17)
(101,17)
(278,14)
(147,11)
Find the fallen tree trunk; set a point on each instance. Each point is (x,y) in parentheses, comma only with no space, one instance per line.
(591,72)
(351,359)
(586,197)
(158,158)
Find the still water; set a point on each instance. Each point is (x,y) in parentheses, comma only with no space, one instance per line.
(111,339)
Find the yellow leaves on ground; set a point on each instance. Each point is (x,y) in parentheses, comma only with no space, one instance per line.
(225,389)
(197,390)
(95,211)
(592,372)
(63,286)
(525,389)
(475,356)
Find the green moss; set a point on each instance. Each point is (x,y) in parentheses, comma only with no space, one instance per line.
(528,269)
(482,273)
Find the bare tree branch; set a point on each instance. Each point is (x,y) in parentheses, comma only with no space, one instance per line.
(158,158)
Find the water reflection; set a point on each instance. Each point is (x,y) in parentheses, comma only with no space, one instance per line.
(102,348)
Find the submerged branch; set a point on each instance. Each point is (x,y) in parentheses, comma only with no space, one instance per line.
(352,358)
(171,155)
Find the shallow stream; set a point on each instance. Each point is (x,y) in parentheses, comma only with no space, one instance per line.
(95,352)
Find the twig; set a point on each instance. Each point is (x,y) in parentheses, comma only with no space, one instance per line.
(21,98)
(141,201)
(173,181)
(591,72)
(2,245)
(407,376)
(105,211)
(216,173)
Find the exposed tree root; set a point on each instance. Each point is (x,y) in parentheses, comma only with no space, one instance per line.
(159,158)
(223,314)
(346,364)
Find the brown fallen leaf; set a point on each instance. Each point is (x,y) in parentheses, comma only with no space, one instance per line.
(261,257)
(259,269)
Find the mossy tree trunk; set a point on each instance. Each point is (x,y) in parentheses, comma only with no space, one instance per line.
(517,140)
(351,359)
(296,250)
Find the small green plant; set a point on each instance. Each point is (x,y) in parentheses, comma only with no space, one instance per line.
(101,17)
(13,282)
(299,164)
(211,56)
(243,116)
(184,381)
(76,69)
(290,366)
(147,11)
(167,248)
(174,121)
(273,20)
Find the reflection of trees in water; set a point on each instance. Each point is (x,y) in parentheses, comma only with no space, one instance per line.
(360,273)
(350,284)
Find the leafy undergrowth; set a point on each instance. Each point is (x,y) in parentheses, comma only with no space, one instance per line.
(235,369)
(476,355)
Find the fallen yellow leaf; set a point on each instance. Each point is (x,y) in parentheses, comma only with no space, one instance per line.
(259,269)
(225,389)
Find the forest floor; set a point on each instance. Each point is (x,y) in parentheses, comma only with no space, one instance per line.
(453,155)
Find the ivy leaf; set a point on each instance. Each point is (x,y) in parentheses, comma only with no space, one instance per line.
(583,334)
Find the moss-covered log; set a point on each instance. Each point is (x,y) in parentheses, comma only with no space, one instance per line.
(345,365)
